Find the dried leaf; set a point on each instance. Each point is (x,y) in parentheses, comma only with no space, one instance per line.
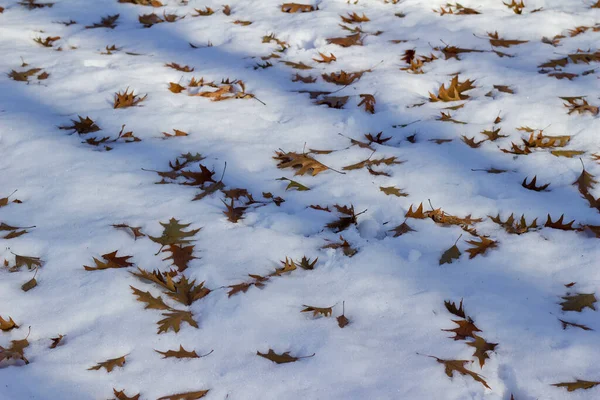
(566,324)
(318,311)
(325,59)
(452,366)
(453,253)
(186,396)
(112,261)
(126,99)
(295,7)
(455,91)
(173,233)
(401,229)
(480,247)
(532,185)
(559,224)
(458,311)
(110,364)
(578,302)
(7,325)
(352,40)
(302,162)
(577,385)
(135,230)
(368,100)
(174,319)
(181,353)
(481,349)
(152,303)
(56,341)
(392,190)
(282,358)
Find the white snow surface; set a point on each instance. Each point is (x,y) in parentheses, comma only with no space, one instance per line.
(393,288)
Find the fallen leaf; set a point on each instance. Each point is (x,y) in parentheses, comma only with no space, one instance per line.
(120,395)
(280,358)
(480,247)
(578,302)
(7,325)
(577,385)
(318,311)
(465,329)
(112,261)
(174,319)
(453,253)
(481,349)
(181,353)
(56,341)
(110,364)
(452,366)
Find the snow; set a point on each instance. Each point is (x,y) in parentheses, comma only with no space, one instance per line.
(393,288)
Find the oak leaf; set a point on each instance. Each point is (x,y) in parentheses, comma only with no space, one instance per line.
(354,18)
(392,190)
(318,311)
(186,292)
(481,349)
(515,226)
(402,229)
(453,253)
(56,341)
(532,185)
(295,7)
(343,78)
(152,303)
(176,87)
(302,162)
(83,126)
(127,99)
(106,22)
(162,279)
(7,325)
(368,100)
(16,351)
(452,366)
(181,353)
(280,358)
(204,13)
(455,91)
(566,324)
(559,224)
(348,217)
(136,231)
(120,395)
(498,42)
(578,302)
(347,249)
(153,3)
(352,40)
(480,247)
(458,311)
(181,256)
(173,320)
(186,396)
(30,262)
(325,59)
(110,364)
(112,261)
(578,384)
(465,329)
(173,233)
